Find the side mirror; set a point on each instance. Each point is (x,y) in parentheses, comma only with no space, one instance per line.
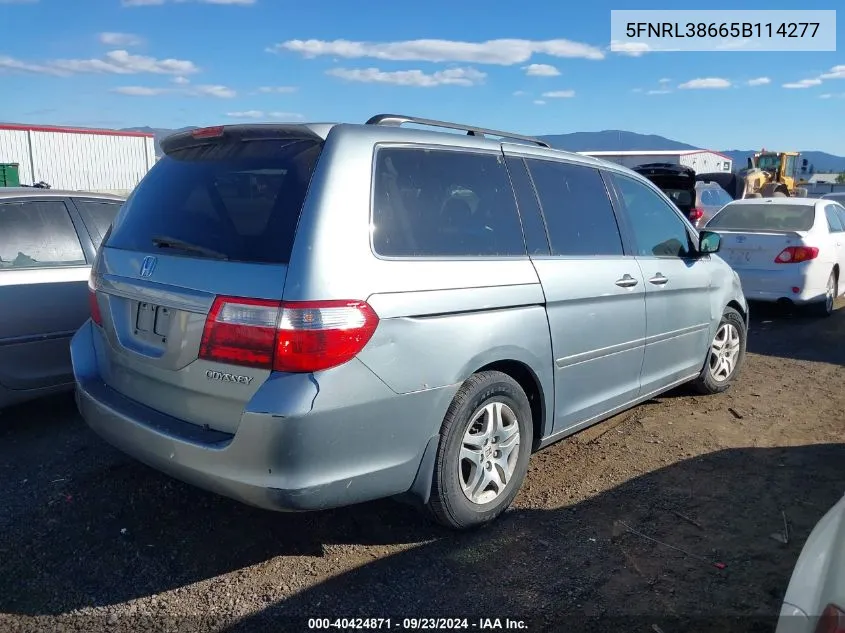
(709,242)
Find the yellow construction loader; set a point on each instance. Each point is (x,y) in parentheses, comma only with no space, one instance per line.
(767,175)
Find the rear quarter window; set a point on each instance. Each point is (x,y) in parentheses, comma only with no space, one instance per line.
(240,199)
(38,234)
(443,203)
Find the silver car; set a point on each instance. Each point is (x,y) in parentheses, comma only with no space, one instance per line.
(315,315)
(48,239)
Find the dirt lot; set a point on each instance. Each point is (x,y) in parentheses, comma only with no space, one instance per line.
(91,540)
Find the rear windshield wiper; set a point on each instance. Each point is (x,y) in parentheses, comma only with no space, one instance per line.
(162,241)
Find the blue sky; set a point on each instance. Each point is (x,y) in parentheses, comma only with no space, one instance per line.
(170,63)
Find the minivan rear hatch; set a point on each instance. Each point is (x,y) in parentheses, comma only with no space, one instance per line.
(212,222)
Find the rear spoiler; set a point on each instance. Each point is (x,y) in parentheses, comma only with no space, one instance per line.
(198,137)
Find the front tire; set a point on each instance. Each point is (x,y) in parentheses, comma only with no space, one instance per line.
(725,356)
(482,458)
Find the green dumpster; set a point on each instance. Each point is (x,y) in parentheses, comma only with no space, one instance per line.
(10,175)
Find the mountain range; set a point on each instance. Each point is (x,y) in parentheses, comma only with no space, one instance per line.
(609,140)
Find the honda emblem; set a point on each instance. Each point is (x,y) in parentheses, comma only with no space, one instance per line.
(148,266)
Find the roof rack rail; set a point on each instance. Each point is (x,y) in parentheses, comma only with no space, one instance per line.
(399,119)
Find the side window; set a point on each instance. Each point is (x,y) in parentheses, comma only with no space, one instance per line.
(533,226)
(834,221)
(577,208)
(657,229)
(38,234)
(444,203)
(840,211)
(98,216)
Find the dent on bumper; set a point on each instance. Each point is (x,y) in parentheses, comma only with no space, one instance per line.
(347,449)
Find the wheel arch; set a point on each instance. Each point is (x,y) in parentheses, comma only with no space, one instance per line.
(531,385)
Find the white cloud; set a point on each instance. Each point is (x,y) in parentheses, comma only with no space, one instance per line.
(541,70)
(659,92)
(706,83)
(120,39)
(119,62)
(837,72)
(637,90)
(826,96)
(150,3)
(804,83)
(665,80)
(246,114)
(277,89)
(632,49)
(759,81)
(181,81)
(140,91)
(559,94)
(519,93)
(260,114)
(417,78)
(220,92)
(504,52)
(11,64)
(539,102)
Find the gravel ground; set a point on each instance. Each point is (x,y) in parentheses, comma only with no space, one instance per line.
(91,540)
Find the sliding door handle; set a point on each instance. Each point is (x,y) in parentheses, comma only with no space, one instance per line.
(626,282)
(658,280)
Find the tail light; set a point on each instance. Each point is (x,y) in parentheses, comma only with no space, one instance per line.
(208,132)
(832,620)
(796,254)
(297,336)
(94,306)
(695,215)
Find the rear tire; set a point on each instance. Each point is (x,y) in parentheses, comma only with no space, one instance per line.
(725,355)
(825,308)
(474,482)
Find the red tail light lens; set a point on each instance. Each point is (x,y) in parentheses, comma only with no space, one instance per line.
(832,620)
(94,306)
(302,336)
(695,215)
(796,254)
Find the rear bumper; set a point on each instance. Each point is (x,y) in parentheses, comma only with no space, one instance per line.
(777,285)
(348,447)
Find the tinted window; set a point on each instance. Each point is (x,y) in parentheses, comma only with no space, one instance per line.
(834,222)
(98,217)
(764,217)
(36,234)
(241,200)
(841,213)
(529,209)
(444,203)
(577,208)
(656,227)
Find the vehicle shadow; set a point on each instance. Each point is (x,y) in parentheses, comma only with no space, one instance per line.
(789,332)
(580,568)
(89,527)
(84,525)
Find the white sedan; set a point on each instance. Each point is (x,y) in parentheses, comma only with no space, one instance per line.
(785,249)
(815,599)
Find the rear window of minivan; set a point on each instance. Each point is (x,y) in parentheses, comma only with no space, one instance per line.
(237,200)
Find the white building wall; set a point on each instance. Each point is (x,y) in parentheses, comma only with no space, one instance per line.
(78,161)
(632,160)
(14,148)
(706,162)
